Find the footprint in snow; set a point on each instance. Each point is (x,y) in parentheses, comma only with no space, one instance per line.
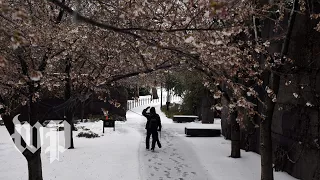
(185,174)
(167,173)
(178,169)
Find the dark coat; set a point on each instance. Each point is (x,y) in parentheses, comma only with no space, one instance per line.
(150,116)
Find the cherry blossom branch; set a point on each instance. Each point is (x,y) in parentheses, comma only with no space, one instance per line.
(43,63)
(162,63)
(9,20)
(255,28)
(141,56)
(285,46)
(119,77)
(127,31)
(211,76)
(84,19)
(23,63)
(178,29)
(60,15)
(87,20)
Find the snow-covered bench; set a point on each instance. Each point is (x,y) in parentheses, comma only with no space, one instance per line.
(184,118)
(202,130)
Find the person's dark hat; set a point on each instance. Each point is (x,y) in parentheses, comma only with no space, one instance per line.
(153,110)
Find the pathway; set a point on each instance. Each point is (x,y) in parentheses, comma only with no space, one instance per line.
(175,160)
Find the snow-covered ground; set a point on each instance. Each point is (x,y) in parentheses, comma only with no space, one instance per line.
(121,155)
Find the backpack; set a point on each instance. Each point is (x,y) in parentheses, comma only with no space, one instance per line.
(153,122)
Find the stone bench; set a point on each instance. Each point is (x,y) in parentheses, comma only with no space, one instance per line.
(184,118)
(202,132)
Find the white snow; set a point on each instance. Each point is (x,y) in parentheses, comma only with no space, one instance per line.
(213,154)
(121,155)
(199,125)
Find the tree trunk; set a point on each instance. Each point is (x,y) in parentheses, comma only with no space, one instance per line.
(266,153)
(235,136)
(34,159)
(225,123)
(82,110)
(266,144)
(265,124)
(168,99)
(167,104)
(35,166)
(154,93)
(207,113)
(69,131)
(161,97)
(69,110)
(137,94)
(273,81)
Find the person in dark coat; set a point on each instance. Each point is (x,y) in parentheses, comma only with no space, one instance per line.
(153,125)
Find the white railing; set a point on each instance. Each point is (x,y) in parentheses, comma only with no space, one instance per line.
(148,100)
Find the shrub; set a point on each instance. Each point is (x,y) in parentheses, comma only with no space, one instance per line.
(144,91)
(175,109)
(88,134)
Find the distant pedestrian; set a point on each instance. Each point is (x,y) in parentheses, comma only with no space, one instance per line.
(153,125)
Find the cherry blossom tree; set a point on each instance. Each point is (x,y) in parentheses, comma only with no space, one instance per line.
(96,41)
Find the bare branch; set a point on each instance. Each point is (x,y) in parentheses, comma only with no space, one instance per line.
(119,77)
(92,22)
(43,63)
